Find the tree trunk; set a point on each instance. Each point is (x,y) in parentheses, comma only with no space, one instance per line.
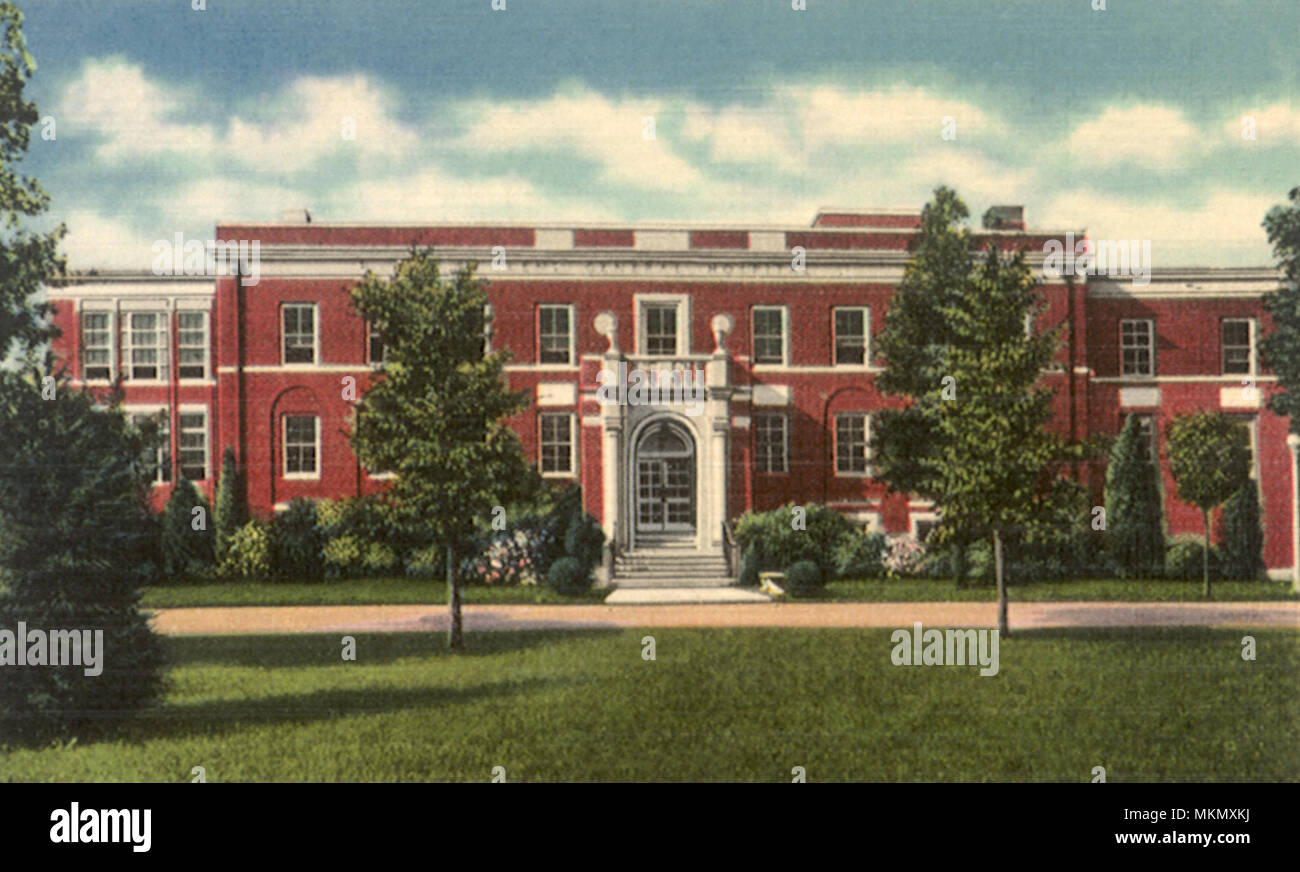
(959,566)
(1205,554)
(1000,572)
(456,633)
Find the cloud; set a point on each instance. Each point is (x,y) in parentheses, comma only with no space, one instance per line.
(1277,124)
(1151,136)
(94,241)
(132,115)
(612,133)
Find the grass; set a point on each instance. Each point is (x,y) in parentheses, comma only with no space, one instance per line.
(715,705)
(1116,590)
(400,590)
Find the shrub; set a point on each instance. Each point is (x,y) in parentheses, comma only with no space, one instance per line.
(749,568)
(430,562)
(186,551)
(248,553)
(584,541)
(354,556)
(1241,534)
(906,556)
(567,576)
(780,544)
(1184,559)
(859,556)
(297,542)
(804,578)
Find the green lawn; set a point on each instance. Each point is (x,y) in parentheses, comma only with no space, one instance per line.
(346,592)
(408,591)
(715,705)
(920,590)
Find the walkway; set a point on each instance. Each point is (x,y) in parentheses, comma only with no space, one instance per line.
(365,619)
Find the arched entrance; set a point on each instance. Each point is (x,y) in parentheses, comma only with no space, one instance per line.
(665,481)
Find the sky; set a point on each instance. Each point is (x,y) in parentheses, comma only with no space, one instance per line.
(1174,122)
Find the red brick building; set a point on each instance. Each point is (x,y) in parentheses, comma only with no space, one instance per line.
(777,322)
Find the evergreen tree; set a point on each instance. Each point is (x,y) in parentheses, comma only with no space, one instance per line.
(1135,533)
(1241,535)
(228,513)
(186,540)
(76,547)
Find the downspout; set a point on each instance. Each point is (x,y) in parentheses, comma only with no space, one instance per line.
(1069,372)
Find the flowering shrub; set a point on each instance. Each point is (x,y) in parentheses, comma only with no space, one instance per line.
(904,556)
(511,557)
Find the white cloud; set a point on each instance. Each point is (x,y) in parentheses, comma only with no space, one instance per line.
(1225,228)
(318,117)
(833,116)
(610,132)
(1151,136)
(94,241)
(1274,125)
(114,100)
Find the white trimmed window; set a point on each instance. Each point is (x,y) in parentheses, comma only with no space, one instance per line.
(851,433)
(1137,347)
(769,334)
(851,327)
(193,444)
(144,346)
(555,334)
(299,331)
(556,441)
(660,329)
(1238,340)
(301,446)
(1147,430)
(192,344)
(96,346)
(163,452)
(771,443)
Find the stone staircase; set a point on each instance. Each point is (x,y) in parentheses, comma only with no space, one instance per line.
(670,563)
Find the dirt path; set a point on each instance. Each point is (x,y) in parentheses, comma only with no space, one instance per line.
(328,619)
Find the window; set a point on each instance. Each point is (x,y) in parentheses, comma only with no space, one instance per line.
(555,334)
(300,333)
(96,346)
(770,443)
(163,452)
(376,350)
(144,346)
(192,344)
(1251,423)
(557,444)
(660,329)
(769,334)
(851,443)
(301,446)
(851,337)
(1136,340)
(1238,336)
(922,527)
(193,445)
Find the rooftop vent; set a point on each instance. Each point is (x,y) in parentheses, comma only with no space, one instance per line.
(1005,218)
